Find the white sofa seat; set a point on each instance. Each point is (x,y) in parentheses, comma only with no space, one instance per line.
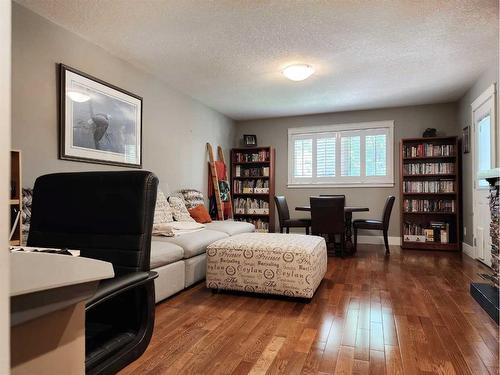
(231,227)
(194,243)
(163,253)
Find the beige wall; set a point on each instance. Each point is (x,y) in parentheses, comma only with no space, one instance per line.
(175,127)
(465,119)
(408,122)
(5,40)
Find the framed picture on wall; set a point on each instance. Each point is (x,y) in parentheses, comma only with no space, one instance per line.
(99,123)
(250,140)
(466,139)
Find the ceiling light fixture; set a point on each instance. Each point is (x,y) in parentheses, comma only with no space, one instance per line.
(298,72)
(78,96)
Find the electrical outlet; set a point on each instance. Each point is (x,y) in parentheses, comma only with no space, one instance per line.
(465,231)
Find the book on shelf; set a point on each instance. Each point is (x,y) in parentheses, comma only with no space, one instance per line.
(435,231)
(251,172)
(429,205)
(257,186)
(410,169)
(428,150)
(251,206)
(245,157)
(431,186)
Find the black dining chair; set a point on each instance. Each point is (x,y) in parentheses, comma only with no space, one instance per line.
(370,224)
(284,217)
(327,218)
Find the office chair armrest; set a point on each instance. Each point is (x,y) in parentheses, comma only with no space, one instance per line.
(112,287)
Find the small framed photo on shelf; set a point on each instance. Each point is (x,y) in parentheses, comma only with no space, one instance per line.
(250,140)
(466,140)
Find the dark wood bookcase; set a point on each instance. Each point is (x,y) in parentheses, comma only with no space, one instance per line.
(430,178)
(250,167)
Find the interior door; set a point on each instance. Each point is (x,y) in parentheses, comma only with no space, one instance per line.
(483,135)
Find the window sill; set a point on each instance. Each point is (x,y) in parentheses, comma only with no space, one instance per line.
(349,185)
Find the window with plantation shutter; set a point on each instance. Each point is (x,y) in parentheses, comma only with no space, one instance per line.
(341,155)
(302,151)
(325,157)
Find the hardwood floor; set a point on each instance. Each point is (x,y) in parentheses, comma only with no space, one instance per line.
(407,314)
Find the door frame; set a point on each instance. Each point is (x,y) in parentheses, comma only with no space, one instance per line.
(489,93)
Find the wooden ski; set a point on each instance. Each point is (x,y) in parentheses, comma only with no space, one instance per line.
(215,182)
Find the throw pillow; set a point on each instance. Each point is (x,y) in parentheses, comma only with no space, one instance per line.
(200,214)
(163,212)
(192,198)
(179,209)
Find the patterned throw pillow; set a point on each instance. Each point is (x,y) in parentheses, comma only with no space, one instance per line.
(179,209)
(192,198)
(163,212)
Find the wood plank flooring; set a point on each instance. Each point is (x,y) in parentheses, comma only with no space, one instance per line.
(410,313)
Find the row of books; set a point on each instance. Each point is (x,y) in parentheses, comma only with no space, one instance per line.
(429,205)
(250,206)
(260,225)
(251,172)
(439,186)
(435,231)
(262,155)
(258,186)
(428,168)
(428,150)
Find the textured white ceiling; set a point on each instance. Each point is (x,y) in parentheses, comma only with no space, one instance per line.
(228,53)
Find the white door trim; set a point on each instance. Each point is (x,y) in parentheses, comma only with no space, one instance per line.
(488,94)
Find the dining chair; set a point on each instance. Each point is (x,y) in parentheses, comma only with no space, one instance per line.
(284,217)
(370,224)
(328,218)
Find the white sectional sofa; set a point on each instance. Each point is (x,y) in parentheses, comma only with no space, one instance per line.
(181,261)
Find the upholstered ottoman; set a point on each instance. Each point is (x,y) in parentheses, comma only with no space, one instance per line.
(285,264)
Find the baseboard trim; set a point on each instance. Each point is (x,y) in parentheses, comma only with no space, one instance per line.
(468,250)
(378,240)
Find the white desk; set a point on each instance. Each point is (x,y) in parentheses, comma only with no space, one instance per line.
(48,294)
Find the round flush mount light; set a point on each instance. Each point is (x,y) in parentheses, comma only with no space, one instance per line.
(78,96)
(298,72)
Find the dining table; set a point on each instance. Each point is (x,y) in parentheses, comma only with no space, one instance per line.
(348,210)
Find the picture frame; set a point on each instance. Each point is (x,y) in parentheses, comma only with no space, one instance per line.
(98,122)
(466,140)
(250,140)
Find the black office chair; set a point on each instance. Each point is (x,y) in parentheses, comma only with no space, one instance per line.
(284,217)
(328,218)
(382,225)
(107,216)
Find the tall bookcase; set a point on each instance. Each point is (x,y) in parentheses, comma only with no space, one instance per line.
(252,186)
(430,193)
(16,198)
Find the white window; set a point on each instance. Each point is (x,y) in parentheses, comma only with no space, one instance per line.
(341,155)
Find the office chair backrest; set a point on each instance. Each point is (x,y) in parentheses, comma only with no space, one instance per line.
(389,203)
(282,207)
(105,215)
(327,215)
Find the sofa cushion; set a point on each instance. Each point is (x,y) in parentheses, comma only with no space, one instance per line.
(194,243)
(231,227)
(163,212)
(192,198)
(179,210)
(163,253)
